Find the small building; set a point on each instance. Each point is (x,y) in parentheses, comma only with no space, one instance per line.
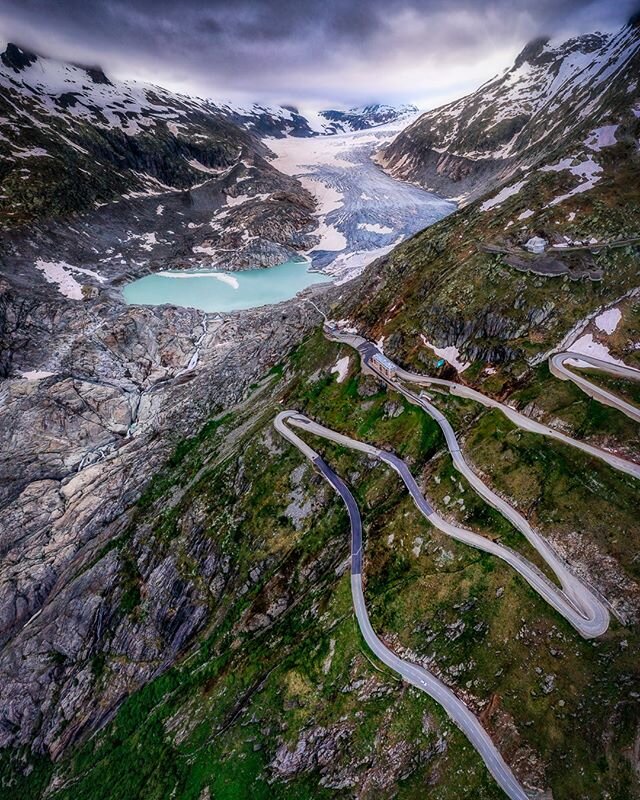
(536,245)
(384,366)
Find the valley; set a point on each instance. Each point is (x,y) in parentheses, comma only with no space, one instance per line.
(443,598)
(363,213)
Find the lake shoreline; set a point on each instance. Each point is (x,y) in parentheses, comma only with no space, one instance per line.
(215,290)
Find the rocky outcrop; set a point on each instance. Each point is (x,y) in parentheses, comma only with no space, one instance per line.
(78,446)
(326,751)
(408,158)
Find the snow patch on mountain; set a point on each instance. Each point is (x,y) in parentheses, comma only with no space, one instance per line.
(609,320)
(588,346)
(239,199)
(588,170)
(604,136)
(36,374)
(450,354)
(56,272)
(341,367)
(511,123)
(503,194)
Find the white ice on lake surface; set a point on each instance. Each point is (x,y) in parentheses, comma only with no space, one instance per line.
(225,277)
(214,291)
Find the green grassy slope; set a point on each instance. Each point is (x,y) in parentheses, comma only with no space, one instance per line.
(216,723)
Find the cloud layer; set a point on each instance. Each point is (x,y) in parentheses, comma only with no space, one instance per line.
(303,51)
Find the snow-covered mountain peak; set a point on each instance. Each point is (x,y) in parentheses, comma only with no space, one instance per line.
(86,93)
(553,91)
(360,118)
(16,58)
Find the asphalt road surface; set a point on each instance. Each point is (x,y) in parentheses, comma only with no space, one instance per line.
(578,361)
(412,673)
(368,349)
(573,599)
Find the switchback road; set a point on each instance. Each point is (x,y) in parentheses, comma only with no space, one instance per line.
(412,673)
(368,350)
(577,603)
(579,361)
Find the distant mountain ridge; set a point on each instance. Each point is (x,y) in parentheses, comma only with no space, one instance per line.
(279,121)
(370,116)
(85,139)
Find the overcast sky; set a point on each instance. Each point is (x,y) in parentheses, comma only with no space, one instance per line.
(307,52)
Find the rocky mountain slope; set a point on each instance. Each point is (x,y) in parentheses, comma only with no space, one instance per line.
(187,631)
(150,175)
(552,92)
(71,138)
(74,141)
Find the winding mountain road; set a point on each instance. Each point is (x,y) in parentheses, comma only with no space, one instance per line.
(579,361)
(412,673)
(577,603)
(368,350)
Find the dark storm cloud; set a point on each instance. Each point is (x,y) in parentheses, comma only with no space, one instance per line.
(302,49)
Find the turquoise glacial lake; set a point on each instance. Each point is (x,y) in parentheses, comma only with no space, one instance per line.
(214,290)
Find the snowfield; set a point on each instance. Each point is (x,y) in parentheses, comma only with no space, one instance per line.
(36,374)
(602,137)
(58,272)
(341,367)
(589,171)
(589,347)
(608,321)
(503,194)
(450,354)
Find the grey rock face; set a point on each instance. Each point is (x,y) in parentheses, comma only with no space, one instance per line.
(78,446)
(368,386)
(315,749)
(326,750)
